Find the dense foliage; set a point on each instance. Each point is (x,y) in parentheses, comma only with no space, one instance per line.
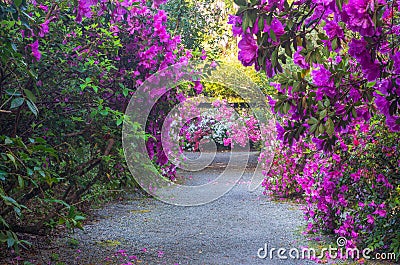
(334,148)
(67,73)
(201,24)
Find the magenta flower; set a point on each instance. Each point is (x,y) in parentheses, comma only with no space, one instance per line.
(248,50)
(85,9)
(382,104)
(227,141)
(393,123)
(198,87)
(35,50)
(358,50)
(357,17)
(236,23)
(157,3)
(44,7)
(322,79)
(396,62)
(333,30)
(299,59)
(380,212)
(44,28)
(370,219)
(203,55)
(277,27)
(134,257)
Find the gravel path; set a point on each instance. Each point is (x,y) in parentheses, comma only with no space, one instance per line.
(229,230)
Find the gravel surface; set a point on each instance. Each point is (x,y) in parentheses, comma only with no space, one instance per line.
(229,230)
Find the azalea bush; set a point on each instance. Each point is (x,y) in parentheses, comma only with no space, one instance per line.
(219,123)
(333,140)
(66,76)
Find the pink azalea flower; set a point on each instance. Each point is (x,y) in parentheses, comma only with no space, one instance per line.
(203,55)
(198,87)
(370,219)
(85,9)
(35,50)
(299,59)
(157,3)
(44,28)
(44,7)
(248,50)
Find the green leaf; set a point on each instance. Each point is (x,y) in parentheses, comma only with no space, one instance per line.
(17,102)
(312,120)
(12,158)
(322,114)
(354,113)
(10,242)
(246,22)
(104,112)
(335,44)
(125,92)
(79,218)
(9,200)
(21,182)
(272,35)
(322,36)
(8,141)
(330,127)
(261,24)
(17,211)
(286,107)
(59,202)
(274,58)
(339,4)
(12,92)
(3,175)
(32,107)
(29,171)
(240,2)
(4,223)
(321,129)
(29,95)
(371,84)
(17,2)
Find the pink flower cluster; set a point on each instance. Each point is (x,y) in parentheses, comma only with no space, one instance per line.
(343,195)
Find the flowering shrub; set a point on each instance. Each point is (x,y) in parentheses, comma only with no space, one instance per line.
(221,124)
(334,149)
(353,192)
(67,73)
(336,56)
